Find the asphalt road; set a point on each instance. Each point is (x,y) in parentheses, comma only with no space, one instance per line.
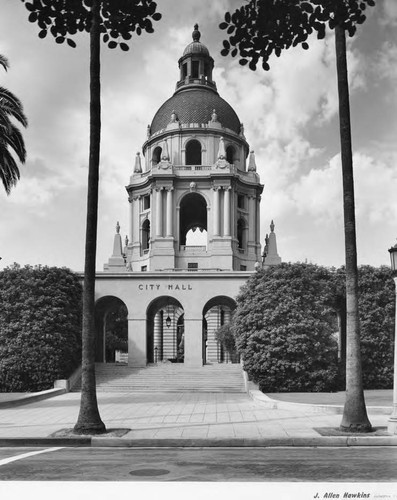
(368,464)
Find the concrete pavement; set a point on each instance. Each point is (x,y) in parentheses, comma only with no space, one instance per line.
(192,419)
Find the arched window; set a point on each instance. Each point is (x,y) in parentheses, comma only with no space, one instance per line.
(156,155)
(241,233)
(146,235)
(193,153)
(230,153)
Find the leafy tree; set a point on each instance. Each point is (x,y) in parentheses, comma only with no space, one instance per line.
(263,27)
(285,329)
(114,21)
(11,139)
(40,327)
(225,335)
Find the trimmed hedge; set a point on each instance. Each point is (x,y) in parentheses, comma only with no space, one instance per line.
(40,327)
(285,330)
(376,306)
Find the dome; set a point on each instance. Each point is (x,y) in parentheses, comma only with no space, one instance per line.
(196,48)
(196,105)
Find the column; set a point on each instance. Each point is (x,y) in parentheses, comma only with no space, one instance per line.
(136,341)
(226,212)
(132,222)
(216,211)
(169,212)
(258,220)
(252,218)
(135,219)
(227,317)
(158,212)
(212,343)
(157,334)
(193,341)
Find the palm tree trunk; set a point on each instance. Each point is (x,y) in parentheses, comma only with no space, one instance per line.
(355,417)
(89,420)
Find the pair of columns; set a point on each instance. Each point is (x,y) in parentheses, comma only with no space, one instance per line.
(226,210)
(135,214)
(159,215)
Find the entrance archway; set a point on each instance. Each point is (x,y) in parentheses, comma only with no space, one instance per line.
(111,327)
(165,330)
(217,312)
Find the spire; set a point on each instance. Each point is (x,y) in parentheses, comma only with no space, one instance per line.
(138,166)
(196,35)
(116,262)
(271,258)
(251,162)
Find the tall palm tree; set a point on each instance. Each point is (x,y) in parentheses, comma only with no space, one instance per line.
(11,140)
(262,27)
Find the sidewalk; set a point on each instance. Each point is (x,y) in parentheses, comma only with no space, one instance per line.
(195,419)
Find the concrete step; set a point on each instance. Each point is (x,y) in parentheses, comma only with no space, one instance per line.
(174,377)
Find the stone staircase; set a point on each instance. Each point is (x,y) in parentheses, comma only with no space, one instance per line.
(175,377)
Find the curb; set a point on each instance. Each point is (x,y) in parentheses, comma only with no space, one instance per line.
(32,398)
(274,404)
(284,442)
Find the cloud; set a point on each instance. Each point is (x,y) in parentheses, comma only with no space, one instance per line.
(385,65)
(389,16)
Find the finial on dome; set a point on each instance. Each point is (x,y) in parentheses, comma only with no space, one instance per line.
(196,34)
(138,166)
(221,149)
(174,116)
(251,162)
(165,154)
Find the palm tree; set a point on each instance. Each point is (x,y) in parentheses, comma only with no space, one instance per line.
(105,20)
(262,27)
(11,139)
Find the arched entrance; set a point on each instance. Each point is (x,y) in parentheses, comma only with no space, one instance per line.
(165,330)
(217,312)
(111,327)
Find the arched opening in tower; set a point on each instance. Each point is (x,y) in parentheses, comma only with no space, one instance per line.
(156,157)
(193,153)
(193,216)
(241,233)
(230,154)
(146,235)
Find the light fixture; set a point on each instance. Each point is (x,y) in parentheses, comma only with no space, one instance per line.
(393,259)
(168,321)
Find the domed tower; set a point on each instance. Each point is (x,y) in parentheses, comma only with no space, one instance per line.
(194,198)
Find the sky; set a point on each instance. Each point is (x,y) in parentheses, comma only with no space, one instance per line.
(290,117)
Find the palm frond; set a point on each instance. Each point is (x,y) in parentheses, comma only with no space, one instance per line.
(11,105)
(4,62)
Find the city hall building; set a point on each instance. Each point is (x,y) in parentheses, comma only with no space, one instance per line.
(194,231)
